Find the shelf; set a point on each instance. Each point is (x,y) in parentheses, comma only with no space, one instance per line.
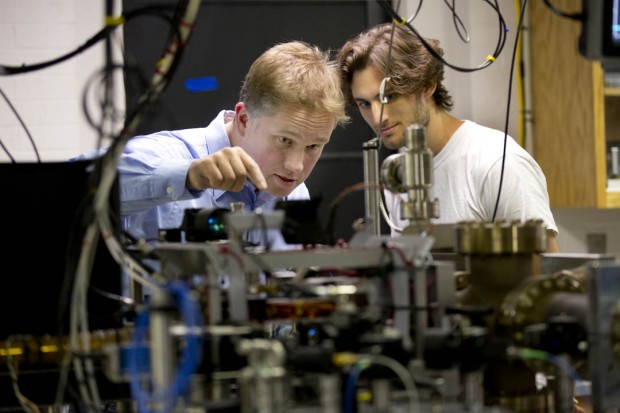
(612,91)
(613,199)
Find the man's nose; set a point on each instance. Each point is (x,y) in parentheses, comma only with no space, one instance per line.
(294,161)
(377,116)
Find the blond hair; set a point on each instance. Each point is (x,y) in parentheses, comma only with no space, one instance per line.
(294,73)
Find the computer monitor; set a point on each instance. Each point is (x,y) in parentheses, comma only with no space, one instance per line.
(600,32)
(42,211)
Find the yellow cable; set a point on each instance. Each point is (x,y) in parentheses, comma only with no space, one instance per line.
(114,20)
(521,138)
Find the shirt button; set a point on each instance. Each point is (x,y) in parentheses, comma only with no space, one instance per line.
(169,189)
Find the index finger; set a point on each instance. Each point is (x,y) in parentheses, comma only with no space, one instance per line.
(254,173)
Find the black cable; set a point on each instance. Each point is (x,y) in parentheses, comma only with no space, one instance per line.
(21,121)
(497,52)
(106,164)
(526,116)
(263,230)
(131,70)
(174,37)
(386,77)
(83,215)
(415,14)
(98,79)
(105,73)
(102,34)
(107,106)
(555,10)
(458,23)
(512,66)
(16,70)
(151,94)
(492,57)
(6,150)
(128,68)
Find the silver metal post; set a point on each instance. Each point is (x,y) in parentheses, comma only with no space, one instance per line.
(372,194)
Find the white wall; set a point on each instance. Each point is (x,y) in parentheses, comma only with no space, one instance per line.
(481,95)
(49,101)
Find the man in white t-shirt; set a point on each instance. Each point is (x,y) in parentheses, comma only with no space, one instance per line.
(394,81)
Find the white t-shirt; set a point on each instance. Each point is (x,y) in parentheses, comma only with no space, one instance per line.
(466,180)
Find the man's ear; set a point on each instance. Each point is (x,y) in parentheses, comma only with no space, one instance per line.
(428,93)
(241,119)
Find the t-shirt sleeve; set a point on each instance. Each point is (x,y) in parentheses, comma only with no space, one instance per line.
(523,194)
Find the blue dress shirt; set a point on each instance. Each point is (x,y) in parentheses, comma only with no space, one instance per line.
(153,169)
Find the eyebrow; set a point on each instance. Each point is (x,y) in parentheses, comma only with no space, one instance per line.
(288,133)
(376,96)
(360,100)
(321,139)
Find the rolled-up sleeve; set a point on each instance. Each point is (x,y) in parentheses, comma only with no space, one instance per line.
(148,178)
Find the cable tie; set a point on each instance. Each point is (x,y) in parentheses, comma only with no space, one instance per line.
(114,21)
(184,23)
(491,58)
(382,89)
(158,70)
(400,21)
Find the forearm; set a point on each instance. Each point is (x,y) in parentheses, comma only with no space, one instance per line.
(145,186)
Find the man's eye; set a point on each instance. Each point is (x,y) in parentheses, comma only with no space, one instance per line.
(387,98)
(362,104)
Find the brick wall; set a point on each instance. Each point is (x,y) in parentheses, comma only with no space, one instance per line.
(48,100)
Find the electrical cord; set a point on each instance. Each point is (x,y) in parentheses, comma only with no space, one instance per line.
(21,122)
(573,16)
(520,85)
(102,226)
(415,14)
(458,23)
(100,35)
(512,66)
(490,58)
(365,361)
(191,353)
(333,207)
(27,405)
(397,20)
(108,111)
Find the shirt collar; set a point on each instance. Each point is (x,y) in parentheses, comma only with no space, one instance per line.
(219,139)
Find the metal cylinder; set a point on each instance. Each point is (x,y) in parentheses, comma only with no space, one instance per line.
(372,196)
(418,159)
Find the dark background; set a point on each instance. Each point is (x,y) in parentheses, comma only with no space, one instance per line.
(42,242)
(227,37)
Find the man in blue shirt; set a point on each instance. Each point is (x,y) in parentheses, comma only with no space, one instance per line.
(259,153)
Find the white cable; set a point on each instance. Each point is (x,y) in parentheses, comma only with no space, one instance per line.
(79,308)
(387,218)
(214,263)
(131,266)
(403,374)
(79,316)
